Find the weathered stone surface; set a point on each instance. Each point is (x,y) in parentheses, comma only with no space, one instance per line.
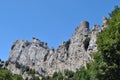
(105,22)
(70,55)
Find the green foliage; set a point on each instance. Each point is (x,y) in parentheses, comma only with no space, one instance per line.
(34,77)
(69,74)
(58,76)
(7,75)
(17,77)
(115,11)
(94,69)
(109,45)
(29,71)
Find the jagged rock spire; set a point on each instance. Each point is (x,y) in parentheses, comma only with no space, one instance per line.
(70,55)
(105,22)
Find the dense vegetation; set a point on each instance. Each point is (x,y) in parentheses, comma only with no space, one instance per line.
(106,64)
(28,70)
(109,46)
(7,75)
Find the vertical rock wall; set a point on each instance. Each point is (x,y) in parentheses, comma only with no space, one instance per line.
(45,61)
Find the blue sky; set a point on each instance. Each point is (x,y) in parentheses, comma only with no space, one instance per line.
(52,21)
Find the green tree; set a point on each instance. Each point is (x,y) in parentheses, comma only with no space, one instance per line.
(109,46)
(69,74)
(7,75)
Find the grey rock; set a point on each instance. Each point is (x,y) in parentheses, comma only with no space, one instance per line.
(105,23)
(70,55)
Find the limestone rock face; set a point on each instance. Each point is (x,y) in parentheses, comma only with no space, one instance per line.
(105,23)
(45,61)
(77,53)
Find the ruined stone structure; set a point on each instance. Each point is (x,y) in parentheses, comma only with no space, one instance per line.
(70,55)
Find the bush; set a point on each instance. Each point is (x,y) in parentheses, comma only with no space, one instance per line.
(109,46)
(7,75)
(69,74)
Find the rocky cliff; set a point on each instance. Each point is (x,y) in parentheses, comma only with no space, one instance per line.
(70,55)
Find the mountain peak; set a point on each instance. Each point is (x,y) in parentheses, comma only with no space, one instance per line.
(71,55)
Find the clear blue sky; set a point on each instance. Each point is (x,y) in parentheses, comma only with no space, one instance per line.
(52,21)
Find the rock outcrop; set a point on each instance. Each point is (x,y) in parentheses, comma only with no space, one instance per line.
(70,55)
(105,23)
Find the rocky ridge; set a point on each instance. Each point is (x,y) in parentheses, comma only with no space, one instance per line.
(71,55)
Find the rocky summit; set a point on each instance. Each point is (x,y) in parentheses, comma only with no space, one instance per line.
(70,55)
